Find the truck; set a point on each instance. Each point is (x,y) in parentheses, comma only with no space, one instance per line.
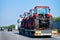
(38,22)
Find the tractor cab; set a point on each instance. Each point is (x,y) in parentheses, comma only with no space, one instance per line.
(42,11)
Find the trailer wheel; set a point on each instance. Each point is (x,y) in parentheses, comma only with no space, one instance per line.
(19,31)
(26,33)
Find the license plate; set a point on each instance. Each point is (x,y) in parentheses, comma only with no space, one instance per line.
(46,34)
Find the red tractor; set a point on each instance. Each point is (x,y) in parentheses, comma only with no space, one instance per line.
(43,18)
(24,23)
(38,22)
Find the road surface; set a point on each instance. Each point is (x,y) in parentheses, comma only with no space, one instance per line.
(5,35)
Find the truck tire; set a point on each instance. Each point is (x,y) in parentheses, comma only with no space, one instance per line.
(26,33)
(21,31)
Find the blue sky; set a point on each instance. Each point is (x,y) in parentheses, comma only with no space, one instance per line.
(11,9)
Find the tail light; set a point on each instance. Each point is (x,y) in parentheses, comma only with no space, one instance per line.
(54,32)
(37,33)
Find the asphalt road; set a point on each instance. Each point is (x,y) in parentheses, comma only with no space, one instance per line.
(5,35)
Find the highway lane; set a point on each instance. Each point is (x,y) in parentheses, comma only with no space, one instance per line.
(5,35)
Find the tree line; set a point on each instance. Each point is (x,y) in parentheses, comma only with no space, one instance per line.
(56,19)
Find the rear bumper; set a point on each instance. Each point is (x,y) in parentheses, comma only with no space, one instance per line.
(38,32)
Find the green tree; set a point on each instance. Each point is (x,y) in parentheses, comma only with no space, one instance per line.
(12,26)
(56,19)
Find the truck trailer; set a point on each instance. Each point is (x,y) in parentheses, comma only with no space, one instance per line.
(38,22)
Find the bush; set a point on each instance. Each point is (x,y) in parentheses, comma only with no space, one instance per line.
(56,19)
